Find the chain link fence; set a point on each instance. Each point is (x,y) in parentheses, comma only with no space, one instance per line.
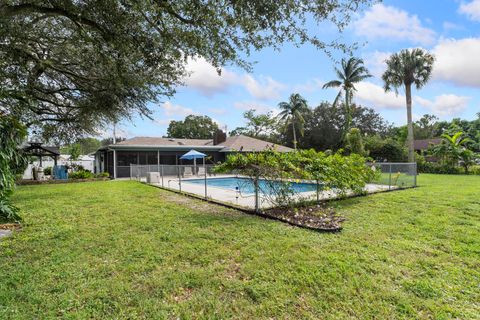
(395,175)
(256,194)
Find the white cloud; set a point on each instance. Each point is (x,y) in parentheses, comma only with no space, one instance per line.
(447,26)
(388,22)
(205,78)
(445,104)
(264,89)
(176,110)
(458,61)
(471,9)
(375,62)
(376,96)
(259,107)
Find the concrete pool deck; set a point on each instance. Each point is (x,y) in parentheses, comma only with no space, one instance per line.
(246,200)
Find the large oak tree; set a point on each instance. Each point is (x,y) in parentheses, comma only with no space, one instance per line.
(67,67)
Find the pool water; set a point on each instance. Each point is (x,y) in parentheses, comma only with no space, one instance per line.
(245,185)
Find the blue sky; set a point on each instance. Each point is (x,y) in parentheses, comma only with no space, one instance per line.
(447,28)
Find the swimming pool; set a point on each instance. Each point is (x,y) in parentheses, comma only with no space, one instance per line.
(245,185)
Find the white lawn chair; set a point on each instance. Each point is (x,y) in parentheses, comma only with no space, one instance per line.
(201,171)
(187,172)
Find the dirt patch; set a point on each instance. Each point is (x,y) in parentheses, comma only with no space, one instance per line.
(184,294)
(316,217)
(10,226)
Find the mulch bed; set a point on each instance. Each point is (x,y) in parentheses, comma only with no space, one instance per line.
(10,226)
(315,217)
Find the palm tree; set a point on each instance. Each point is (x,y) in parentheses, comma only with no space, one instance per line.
(292,113)
(352,71)
(404,69)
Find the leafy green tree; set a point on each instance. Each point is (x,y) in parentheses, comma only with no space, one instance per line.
(354,142)
(74,150)
(12,134)
(84,146)
(263,126)
(351,72)
(89,145)
(452,148)
(292,113)
(324,125)
(69,67)
(193,127)
(404,69)
(380,148)
(426,127)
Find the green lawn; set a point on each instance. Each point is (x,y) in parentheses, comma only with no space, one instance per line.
(120,249)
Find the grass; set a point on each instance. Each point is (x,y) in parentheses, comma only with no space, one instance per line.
(120,249)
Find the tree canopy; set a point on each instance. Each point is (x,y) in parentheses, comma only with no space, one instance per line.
(261,126)
(193,127)
(67,67)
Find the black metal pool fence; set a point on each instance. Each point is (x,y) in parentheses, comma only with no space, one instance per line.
(230,188)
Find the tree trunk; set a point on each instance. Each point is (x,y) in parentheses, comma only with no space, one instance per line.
(410,138)
(348,114)
(294,135)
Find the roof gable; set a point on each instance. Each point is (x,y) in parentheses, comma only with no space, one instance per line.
(243,143)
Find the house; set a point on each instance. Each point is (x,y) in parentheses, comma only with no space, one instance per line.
(421,147)
(117,158)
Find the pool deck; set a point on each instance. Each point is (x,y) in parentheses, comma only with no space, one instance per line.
(247,200)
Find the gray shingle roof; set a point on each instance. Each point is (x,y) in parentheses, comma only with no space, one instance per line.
(248,144)
(157,141)
(426,143)
(235,143)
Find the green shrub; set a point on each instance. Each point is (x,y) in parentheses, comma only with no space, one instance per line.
(47,171)
(102,175)
(12,134)
(379,149)
(437,168)
(81,174)
(474,170)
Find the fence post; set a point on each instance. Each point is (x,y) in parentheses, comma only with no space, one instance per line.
(179,178)
(415,175)
(161,173)
(257,202)
(205,170)
(389,176)
(318,192)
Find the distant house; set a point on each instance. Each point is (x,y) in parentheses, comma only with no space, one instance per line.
(421,146)
(117,158)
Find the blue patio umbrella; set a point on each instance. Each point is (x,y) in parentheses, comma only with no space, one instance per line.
(194,154)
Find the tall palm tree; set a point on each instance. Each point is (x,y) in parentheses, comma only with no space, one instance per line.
(404,69)
(292,114)
(351,72)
